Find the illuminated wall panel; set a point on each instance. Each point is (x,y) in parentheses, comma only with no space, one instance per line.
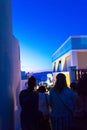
(82,62)
(67,77)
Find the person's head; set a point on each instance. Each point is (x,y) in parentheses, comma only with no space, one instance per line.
(31,82)
(60,83)
(82,85)
(73,85)
(42,89)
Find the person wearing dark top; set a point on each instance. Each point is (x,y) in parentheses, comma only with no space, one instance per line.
(28,99)
(81,104)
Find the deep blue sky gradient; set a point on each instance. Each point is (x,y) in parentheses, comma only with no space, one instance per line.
(41,26)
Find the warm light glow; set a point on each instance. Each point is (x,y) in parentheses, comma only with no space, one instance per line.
(67,77)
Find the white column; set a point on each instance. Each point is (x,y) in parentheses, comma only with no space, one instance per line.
(72,73)
(74,58)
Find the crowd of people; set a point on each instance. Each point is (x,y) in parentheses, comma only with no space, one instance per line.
(62,108)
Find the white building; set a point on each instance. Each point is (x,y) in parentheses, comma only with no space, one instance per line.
(72,54)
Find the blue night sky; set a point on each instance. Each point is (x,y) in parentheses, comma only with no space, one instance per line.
(41,26)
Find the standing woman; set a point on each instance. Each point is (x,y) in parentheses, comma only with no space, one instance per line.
(61,100)
(28,99)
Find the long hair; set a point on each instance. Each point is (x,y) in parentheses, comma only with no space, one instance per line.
(60,83)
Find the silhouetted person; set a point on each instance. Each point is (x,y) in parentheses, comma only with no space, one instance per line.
(73,85)
(42,89)
(61,99)
(44,107)
(29,106)
(81,103)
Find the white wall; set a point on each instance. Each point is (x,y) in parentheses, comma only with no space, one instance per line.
(9,81)
(9,70)
(5,16)
(82,60)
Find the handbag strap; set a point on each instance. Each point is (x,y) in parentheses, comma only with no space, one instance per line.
(68,108)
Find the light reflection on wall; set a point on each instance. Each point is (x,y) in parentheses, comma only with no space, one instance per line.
(67,77)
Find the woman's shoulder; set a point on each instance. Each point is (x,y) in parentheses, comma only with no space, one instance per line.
(70,92)
(23,91)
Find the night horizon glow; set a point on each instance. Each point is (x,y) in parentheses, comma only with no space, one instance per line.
(42,26)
